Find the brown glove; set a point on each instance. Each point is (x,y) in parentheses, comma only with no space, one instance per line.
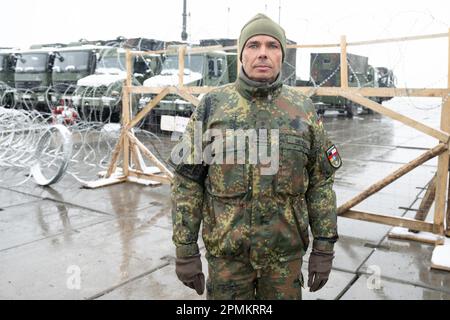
(189,271)
(319,268)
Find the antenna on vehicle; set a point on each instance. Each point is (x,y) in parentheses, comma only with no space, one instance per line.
(184,34)
(279,12)
(228,22)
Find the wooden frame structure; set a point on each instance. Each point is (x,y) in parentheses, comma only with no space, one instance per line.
(131,149)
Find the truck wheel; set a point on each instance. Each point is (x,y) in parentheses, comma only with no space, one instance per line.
(8,101)
(351,110)
(115,116)
(153,121)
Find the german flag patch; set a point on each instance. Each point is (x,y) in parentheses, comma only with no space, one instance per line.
(333,157)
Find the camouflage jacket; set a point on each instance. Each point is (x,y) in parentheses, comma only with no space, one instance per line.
(264,216)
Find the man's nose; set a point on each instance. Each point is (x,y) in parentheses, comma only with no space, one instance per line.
(262,53)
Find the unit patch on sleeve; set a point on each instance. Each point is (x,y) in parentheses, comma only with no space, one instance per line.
(333,157)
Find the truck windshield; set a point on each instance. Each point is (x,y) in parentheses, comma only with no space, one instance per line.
(191,62)
(72,61)
(32,62)
(112,62)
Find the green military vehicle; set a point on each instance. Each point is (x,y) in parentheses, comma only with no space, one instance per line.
(214,68)
(99,95)
(33,77)
(200,69)
(325,72)
(72,63)
(7,66)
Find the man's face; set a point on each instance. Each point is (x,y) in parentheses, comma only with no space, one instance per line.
(261,58)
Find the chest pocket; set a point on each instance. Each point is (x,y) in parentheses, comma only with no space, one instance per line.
(292,176)
(228,180)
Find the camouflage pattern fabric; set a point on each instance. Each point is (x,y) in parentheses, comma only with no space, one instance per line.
(235,279)
(246,213)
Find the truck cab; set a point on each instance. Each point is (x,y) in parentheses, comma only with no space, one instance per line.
(33,77)
(99,95)
(325,72)
(200,69)
(72,64)
(7,66)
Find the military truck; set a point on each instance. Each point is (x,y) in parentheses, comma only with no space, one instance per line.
(98,96)
(325,72)
(231,57)
(33,77)
(200,69)
(213,68)
(72,63)
(288,69)
(7,66)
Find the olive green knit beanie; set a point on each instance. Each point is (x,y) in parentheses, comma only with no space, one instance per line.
(262,24)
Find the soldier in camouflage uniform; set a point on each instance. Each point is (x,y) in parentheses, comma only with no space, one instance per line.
(255,226)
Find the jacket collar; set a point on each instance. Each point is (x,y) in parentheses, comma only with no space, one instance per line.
(251,89)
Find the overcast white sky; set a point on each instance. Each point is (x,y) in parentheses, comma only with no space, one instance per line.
(422,63)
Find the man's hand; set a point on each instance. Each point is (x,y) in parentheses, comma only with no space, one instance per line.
(319,268)
(189,271)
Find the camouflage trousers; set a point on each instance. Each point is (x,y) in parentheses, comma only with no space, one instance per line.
(231,279)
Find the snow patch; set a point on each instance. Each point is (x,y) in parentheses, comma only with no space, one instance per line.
(171,79)
(404,233)
(441,256)
(97,80)
(144,182)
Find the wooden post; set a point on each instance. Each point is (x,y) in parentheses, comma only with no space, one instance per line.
(374,41)
(426,203)
(427,200)
(446,109)
(447,232)
(344,65)
(181,54)
(148,154)
(443,162)
(375,92)
(137,158)
(389,220)
(126,112)
(115,155)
